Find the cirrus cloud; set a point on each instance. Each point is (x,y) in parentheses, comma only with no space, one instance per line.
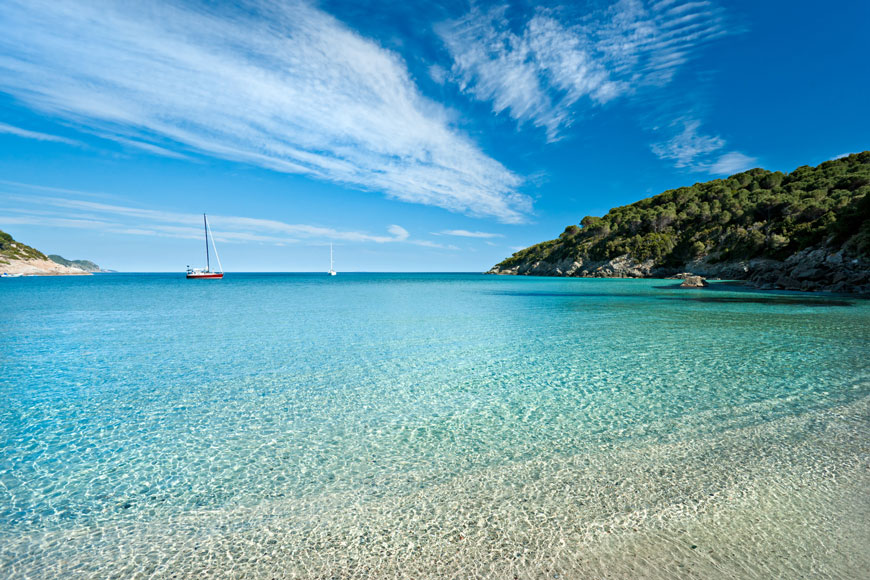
(695,151)
(28,134)
(283,86)
(468,234)
(543,70)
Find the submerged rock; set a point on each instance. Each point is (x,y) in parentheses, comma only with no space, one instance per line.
(693,282)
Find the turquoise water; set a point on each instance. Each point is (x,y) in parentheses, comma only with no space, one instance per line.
(375,425)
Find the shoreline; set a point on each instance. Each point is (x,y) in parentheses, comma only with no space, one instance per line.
(746,284)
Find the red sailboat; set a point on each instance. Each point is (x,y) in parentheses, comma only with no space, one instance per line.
(207,272)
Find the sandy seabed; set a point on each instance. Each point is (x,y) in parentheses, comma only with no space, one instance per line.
(785,499)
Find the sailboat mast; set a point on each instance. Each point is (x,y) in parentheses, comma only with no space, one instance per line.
(205,227)
(330,258)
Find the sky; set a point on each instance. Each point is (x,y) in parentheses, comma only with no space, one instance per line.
(412,136)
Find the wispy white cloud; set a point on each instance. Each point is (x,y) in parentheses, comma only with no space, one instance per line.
(177,224)
(467,234)
(54,222)
(541,72)
(435,245)
(27,134)
(23,207)
(399,232)
(438,74)
(687,145)
(732,162)
(29,187)
(698,152)
(147,147)
(279,85)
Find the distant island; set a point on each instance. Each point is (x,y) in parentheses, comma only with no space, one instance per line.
(805,230)
(17,258)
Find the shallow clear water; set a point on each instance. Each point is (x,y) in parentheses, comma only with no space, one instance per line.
(430,426)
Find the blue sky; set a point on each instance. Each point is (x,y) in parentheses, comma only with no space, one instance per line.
(413,136)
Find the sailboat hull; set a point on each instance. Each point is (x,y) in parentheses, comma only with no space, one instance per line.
(205,275)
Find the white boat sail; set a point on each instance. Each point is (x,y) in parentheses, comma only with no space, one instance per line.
(332,271)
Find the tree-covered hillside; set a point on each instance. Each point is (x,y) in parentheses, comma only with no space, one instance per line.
(12,250)
(754,214)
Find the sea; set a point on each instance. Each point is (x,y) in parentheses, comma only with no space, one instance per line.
(430,426)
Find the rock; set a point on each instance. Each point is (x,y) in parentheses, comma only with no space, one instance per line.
(572,267)
(839,287)
(840,277)
(693,282)
(835,259)
(806,273)
(785,282)
(817,256)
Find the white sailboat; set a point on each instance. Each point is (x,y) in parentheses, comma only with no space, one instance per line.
(207,273)
(332,271)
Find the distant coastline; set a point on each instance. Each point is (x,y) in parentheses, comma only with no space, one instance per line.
(86,265)
(18,259)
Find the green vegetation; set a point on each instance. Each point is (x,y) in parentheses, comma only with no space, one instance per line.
(12,250)
(754,214)
(85,265)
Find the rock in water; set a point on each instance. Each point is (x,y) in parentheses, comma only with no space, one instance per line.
(693,282)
